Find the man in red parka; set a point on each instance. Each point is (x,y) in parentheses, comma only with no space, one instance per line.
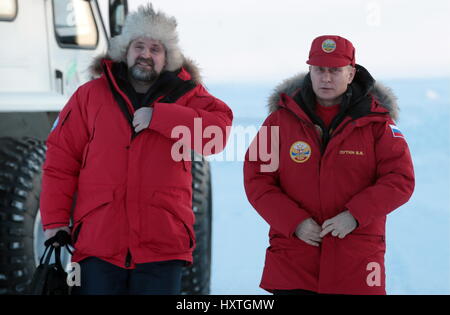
(343,166)
(112,146)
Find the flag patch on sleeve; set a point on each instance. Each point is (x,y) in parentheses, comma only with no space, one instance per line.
(396,132)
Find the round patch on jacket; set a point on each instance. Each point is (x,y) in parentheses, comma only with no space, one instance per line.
(328,45)
(300,152)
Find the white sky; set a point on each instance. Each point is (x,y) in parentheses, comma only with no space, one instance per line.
(263,40)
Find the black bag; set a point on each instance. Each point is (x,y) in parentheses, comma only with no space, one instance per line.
(51,279)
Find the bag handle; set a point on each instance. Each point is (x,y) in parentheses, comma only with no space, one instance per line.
(62,238)
(47,256)
(58,256)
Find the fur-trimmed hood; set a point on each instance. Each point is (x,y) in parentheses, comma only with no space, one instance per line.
(190,66)
(363,80)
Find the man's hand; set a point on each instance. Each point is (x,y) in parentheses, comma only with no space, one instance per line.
(341,225)
(52,232)
(308,231)
(142,118)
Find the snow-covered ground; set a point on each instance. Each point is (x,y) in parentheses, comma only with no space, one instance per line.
(418,234)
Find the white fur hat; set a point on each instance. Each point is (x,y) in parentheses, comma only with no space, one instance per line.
(145,22)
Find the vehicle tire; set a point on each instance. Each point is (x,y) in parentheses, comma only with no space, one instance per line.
(196,278)
(20,185)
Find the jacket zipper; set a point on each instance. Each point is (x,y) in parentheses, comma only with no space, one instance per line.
(319,141)
(122,100)
(123,103)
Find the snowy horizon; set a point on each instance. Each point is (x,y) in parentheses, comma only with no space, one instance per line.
(253,40)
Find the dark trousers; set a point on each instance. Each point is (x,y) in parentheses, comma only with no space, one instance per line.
(99,277)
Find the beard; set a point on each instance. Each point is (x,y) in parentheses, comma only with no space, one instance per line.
(140,74)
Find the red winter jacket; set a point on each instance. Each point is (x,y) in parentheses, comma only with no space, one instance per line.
(364,167)
(134,201)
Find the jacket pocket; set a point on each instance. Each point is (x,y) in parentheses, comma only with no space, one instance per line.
(167,224)
(96,224)
(372,238)
(90,201)
(355,255)
(361,247)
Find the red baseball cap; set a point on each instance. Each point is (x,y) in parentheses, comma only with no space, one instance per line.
(331,51)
